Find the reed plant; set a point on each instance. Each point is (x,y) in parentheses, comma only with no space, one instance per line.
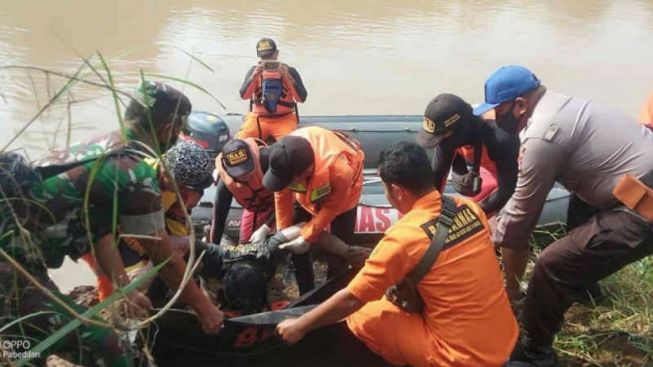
(94,73)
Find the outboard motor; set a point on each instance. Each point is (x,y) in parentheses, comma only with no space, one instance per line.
(208,130)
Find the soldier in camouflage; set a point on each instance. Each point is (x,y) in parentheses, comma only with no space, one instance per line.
(82,209)
(189,169)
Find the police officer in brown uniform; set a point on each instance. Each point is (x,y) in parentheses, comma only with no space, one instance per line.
(598,154)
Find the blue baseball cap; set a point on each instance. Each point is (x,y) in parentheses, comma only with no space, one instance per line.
(506,84)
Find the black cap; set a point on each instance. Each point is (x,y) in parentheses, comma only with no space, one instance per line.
(443,113)
(265,47)
(237,158)
(288,157)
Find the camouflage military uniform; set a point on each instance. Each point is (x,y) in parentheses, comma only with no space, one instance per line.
(78,208)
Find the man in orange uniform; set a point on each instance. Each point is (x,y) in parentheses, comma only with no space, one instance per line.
(466,319)
(324,170)
(273,89)
(240,167)
(646,115)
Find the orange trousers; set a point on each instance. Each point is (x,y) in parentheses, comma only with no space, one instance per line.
(104,285)
(403,338)
(399,337)
(267,128)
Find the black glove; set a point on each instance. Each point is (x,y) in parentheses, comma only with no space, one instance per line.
(468,184)
(212,260)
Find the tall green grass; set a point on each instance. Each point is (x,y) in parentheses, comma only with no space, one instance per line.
(95,73)
(617,331)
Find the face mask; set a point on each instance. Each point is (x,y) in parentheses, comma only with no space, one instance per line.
(508,121)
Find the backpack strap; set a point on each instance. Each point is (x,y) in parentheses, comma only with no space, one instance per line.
(46,172)
(286,104)
(445,221)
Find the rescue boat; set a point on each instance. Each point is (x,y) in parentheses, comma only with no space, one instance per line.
(251,340)
(375,215)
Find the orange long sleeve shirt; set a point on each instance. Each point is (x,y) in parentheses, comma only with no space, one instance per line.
(345,193)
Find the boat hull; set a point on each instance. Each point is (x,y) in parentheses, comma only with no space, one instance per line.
(374,215)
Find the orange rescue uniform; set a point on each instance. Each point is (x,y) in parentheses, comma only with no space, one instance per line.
(251,195)
(334,187)
(467,152)
(265,125)
(467,319)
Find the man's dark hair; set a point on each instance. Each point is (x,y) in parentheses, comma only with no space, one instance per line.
(155,104)
(406,164)
(246,287)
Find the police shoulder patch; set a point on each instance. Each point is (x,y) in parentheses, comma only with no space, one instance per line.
(465,224)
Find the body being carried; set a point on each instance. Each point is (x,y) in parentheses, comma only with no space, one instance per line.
(247,268)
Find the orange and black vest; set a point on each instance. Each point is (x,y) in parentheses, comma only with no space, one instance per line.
(284,106)
(471,154)
(251,195)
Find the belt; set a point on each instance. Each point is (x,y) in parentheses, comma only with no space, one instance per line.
(275,115)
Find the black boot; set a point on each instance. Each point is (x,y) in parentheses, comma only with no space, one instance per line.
(526,356)
(592,296)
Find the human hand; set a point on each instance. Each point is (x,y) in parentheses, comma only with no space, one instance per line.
(291,331)
(260,234)
(468,184)
(137,304)
(211,319)
(298,246)
(258,69)
(283,68)
(493,222)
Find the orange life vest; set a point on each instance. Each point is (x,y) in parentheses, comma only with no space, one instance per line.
(285,104)
(327,147)
(251,195)
(467,152)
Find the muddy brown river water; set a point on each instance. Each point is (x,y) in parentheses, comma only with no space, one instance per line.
(356,57)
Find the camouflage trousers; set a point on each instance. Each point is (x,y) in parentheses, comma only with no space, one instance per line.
(40,317)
